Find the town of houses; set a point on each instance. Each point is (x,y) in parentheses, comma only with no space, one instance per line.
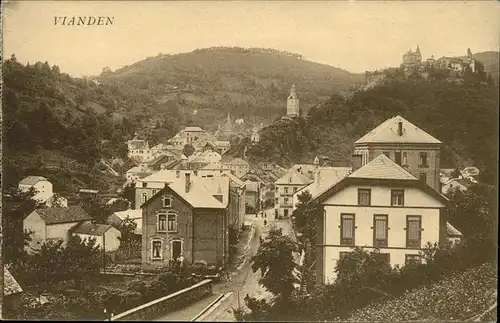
(392,196)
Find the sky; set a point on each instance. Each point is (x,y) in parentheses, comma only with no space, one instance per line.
(353,35)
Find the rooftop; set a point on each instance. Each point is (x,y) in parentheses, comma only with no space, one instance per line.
(201,189)
(63,214)
(193,129)
(31,180)
(90,228)
(382,167)
(10,284)
(325,178)
(387,132)
(293,177)
(452,231)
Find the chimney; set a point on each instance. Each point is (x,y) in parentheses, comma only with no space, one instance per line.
(400,128)
(188,182)
(356,161)
(177,173)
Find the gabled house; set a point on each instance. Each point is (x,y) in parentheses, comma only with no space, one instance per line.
(407,145)
(163,158)
(380,205)
(285,187)
(237,199)
(106,236)
(187,217)
(53,224)
(44,193)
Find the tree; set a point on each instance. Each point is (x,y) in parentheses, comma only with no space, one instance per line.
(128,193)
(306,216)
(275,260)
(82,259)
(188,150)
(16,206)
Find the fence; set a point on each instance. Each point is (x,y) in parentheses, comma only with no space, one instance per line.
(160,306)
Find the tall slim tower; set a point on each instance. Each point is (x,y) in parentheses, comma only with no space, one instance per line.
(292,104)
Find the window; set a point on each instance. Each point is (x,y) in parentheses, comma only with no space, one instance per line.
(364,196)
(294,189)
(276,201)
(423,177)
(397,197)
(405,158)
(144,197)
(144,184)
(176,249)
(412,259)
(154,192)
(347,229)
(162,222)
(413,230)
(172,223)
(397,157)
(423,160)
(156,249)
(277,189)
(380,231)
(167,201)
(286,190)
(387,154)
(286,201)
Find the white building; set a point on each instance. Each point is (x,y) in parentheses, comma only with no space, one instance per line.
(106,236)
(292,103)
(139,150)
(286,187)
(379,205)
(44,193)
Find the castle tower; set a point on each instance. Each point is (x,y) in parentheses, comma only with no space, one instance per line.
(292,103)
(418,54)
(228,122)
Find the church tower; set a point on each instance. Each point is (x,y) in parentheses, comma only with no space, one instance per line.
(292,104)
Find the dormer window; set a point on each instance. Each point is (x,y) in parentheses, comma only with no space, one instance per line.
(144,184)
(167,201)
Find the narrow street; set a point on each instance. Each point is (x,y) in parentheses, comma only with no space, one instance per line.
(245,281)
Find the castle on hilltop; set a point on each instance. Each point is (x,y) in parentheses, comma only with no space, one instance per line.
(452,69)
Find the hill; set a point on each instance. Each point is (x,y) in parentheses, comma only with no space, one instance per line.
(451,299)
(54,126)
(246,82)
(463,116)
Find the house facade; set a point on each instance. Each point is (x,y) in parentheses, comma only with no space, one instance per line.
(407,145)
(380,205)
(44,193)
(106,236)
(188,217)
(238,166)
(52,224)
(285,187)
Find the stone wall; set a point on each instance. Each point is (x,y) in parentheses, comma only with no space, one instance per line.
(161,306)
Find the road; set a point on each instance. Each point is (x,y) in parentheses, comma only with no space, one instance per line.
(246,281)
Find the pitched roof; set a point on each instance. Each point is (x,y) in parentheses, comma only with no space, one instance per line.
(234,180)
(63,214)
(387,132)
(381,171)
(237,162)
(193,129)
(31,180)
(293,177)
(86,190)
(91,228)
(132,214)
(326,178)
(201,191)
(216,166)
(382,167)
(462,181)
(452,231)
(10,284)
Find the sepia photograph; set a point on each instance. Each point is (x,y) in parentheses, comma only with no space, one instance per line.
(249,161)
